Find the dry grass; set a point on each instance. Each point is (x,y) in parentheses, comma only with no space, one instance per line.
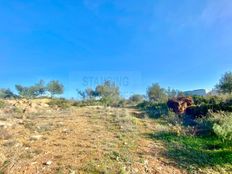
(80,140)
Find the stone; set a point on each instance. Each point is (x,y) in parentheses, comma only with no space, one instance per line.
(48,163)
(35,137)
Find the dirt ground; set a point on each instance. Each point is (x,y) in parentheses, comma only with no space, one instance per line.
(81,140)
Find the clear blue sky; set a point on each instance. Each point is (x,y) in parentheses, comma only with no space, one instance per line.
(184,44)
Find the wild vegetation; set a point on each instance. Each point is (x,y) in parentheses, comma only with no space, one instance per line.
(105,133)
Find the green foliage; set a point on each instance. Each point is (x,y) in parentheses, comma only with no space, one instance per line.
(54,87)
(225,83)
(86,103)
(59,103)
(204,104)
(108,92)
(197,111)
(154,109)
(223,128)
(28,92)
(40,88)
(90,93)
(194,152)
(105,94)
(212,100)
(6,93)
(87,94)
(122,103)
(2,104)
(157,94)
(136,99)
(36,90)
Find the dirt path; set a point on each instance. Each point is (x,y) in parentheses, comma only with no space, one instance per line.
(83,140)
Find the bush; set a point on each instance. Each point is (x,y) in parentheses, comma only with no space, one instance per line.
(2,104)
(208,100)
(216,104)
(223,129)
(136,99)
(154,109)
(197,111)
(60,103)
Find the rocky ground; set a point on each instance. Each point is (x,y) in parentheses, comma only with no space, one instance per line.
(37,139)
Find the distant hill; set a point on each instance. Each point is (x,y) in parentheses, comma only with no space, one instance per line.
(199,92)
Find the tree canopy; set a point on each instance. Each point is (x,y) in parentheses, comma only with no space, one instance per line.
(6,93)
(156,94)
(54,87)
(225,83)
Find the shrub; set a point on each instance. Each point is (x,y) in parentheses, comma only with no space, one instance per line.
(199,100)
(197,111)
(154,109)
(223,128)
(136,99)
(216,104)
(60,103)
(2,104)
(86,103)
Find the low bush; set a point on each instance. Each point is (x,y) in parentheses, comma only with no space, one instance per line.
(207,100)
(2,104)
(223,127)
(60,103)
(154,109)
(87,103)
(136,99)
(203,109)
(197,111)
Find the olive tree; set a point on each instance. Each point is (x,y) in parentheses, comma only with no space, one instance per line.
(28,92)
(54,87)
(108,92)
(6,93)
(156,94)
(32,91)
